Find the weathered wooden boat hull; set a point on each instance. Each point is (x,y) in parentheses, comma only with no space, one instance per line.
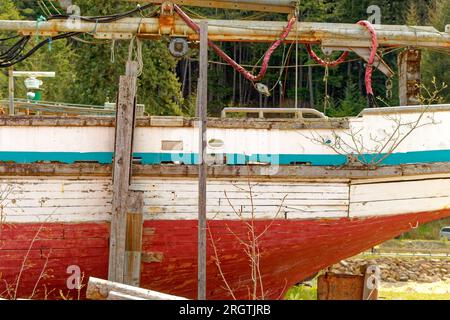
(57,216)
(290,251)
(328,189)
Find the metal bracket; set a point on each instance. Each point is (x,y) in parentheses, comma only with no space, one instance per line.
(167,9)
(364,53)
(113,36)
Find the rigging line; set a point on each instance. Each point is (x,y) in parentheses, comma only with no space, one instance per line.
(137,50)
(56,9)
(439,51)
(191,11)
(9,38)
(104,19)
(78,39)
(44,8)
(201,16)
(273,67)
(296,52)
(389,51)
(282,68)
(21,58)
(15,50)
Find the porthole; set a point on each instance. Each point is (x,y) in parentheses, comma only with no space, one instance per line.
(215,143)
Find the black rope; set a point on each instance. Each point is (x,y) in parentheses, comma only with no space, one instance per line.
(103,19)
(19,58)
(9,38)
(14,54)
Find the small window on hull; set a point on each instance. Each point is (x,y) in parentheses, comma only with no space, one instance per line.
(169,145)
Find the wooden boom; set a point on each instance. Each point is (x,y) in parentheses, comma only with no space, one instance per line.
(328,34)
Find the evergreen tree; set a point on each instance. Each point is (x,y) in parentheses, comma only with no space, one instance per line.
(412,14)
(437,64)
(56,57)
(8,11)
(99,67)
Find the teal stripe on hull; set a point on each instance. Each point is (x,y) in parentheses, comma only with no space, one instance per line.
(231,159)
(63,157)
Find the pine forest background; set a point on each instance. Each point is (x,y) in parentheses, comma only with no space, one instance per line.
(88,72)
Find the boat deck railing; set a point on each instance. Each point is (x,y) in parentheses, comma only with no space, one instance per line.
(298,112)
(405,109)
(24,106)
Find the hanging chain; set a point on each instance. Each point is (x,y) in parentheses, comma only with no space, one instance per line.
(389,87)
(326,101)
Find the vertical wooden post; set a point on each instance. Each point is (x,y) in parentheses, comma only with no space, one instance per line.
(202,176)
(133,246)
(125,114)
(409,76)
(11,90)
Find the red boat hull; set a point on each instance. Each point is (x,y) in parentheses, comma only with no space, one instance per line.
(34,258)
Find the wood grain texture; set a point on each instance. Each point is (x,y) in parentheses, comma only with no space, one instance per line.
(63,199)
(291,251)
(99,289)
(400,197)
(257,172)
(158,121)
(122,170)
(133,244)
(203,166)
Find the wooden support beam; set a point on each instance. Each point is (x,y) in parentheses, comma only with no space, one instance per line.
(121,296)
(133,246)
(202,176)
(99,289)
(125,120)
(409,76)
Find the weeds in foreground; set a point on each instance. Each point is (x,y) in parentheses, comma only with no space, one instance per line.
(251,246)
(302,292)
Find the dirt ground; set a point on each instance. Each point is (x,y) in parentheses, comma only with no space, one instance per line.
(441,287)
(415,291)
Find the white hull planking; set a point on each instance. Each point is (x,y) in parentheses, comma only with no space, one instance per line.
(89,199)
(372,130)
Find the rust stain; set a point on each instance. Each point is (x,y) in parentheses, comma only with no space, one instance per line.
(148,231)
(155,210)
(166,24)
(152,257)
(340,287)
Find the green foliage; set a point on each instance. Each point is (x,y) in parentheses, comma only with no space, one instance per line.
(58,57)
(436,64)
(86,74)
(302,292)
(8,11)
(352,103)
(97,75)
(429,231)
